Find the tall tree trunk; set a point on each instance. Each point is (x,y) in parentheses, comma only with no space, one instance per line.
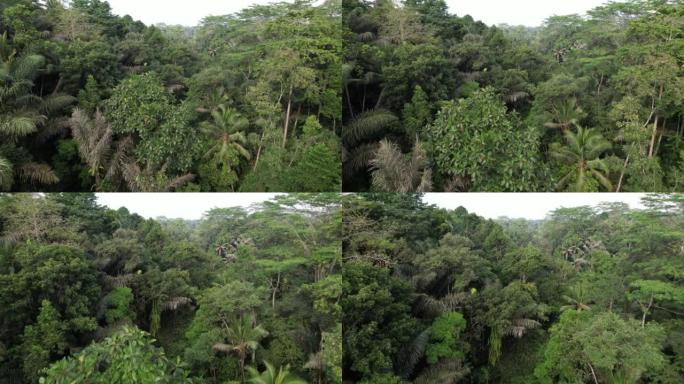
(653,137)
(274,290)
(287,116)
(648,308)
(655,125)
(349,105)
(261,145)
(622,174)
(382,95)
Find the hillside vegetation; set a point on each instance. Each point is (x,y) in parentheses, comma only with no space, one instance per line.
(93,295)
(437,101)
(587,295)
(94,101)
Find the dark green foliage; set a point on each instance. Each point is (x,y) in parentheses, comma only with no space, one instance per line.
(81,286)
(444,338)
(118,302)
(145,93)
(586,295)
(615,69)
(477,141)
(377,321)
(127,356)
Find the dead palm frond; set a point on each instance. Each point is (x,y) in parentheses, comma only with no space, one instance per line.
(94,137)
(444,372)
(34,173)
(152,178)
(395,172)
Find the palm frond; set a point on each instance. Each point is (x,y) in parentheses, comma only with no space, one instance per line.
(6,174)
(56,102)
(176,302)
(19,125)
(367,125)
(444,372)
(37,173)
(412,353)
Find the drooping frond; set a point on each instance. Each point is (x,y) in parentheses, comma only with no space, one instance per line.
(514,97)
(444,372)
(315,362)
(178,182)
(395,172)
(120,281)
(18,125)
(94,138)
(6,174)
(176,302)
(37,173)
(26,67)
(56,102)
(368,125)
(222,347)
(520,326)
(411,354)
(359,157)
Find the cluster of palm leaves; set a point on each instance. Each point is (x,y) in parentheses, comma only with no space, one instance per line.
(226,129)
(243,336)
(109,159)
(23,115)
(581,153)
(391,169)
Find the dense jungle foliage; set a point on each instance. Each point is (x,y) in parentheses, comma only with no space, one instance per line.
(587,295)
(93,295)
(94,101)
(436,101)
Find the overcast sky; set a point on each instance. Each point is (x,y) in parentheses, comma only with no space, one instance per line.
(183,12)
(525,205)
(189,206)
(519,12)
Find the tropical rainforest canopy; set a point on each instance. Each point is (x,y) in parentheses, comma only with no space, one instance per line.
(94,101)
(435,101)
(587,295)
(93,295)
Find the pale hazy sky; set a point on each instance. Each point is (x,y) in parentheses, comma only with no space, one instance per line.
(526,205)
(189,206)
(182,12)
(519,12)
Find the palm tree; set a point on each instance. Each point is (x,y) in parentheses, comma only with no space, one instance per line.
(226,128)
(395,172)
(360,138)
(21,112)
(271,376)
(581,153)
(243,337)
(94,137)
(567,115)
(577,300)
(316,363)
(213,100)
